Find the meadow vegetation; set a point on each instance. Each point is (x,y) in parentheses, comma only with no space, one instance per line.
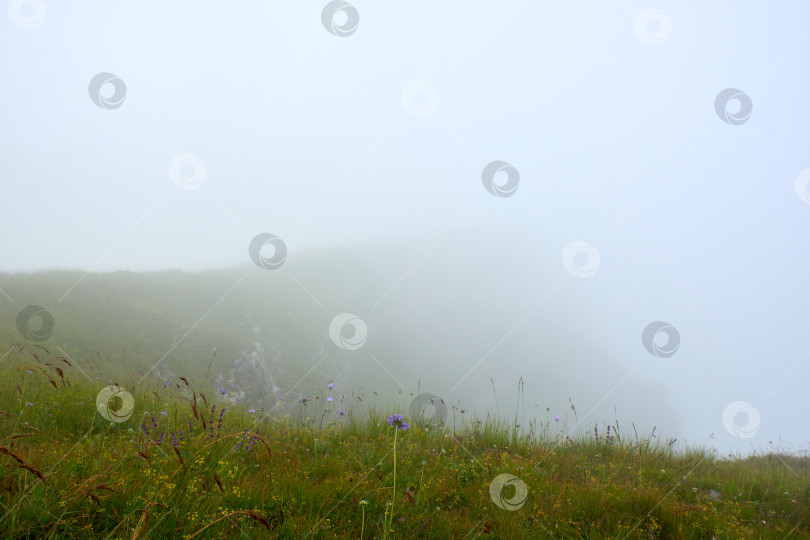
(188,464)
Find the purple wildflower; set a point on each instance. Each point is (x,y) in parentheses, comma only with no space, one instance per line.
(251,411)
(398,421)
(330,386)
(222,391)
(329,400)
(556,418)
(163,413)
(342,412)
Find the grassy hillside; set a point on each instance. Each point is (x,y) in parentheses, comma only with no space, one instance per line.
(188,464)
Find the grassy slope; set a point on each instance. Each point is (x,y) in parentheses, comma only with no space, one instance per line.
(104,480)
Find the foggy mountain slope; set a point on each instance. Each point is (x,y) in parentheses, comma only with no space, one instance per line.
(446,317)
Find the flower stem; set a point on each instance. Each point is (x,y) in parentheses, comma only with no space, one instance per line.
(393,495)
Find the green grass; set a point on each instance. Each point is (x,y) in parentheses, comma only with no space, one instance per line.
(66,472)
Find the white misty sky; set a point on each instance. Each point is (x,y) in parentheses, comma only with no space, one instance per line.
(610,122)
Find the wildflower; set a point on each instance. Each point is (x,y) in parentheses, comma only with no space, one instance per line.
(165,384)
(163,413)
(304,399)
(329,400)
(330,386)
(556,418)
(364,501)
(398,421)
(342,412)
(28,371)
(222,391)
(281,398)
(30,404)
(251,411)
